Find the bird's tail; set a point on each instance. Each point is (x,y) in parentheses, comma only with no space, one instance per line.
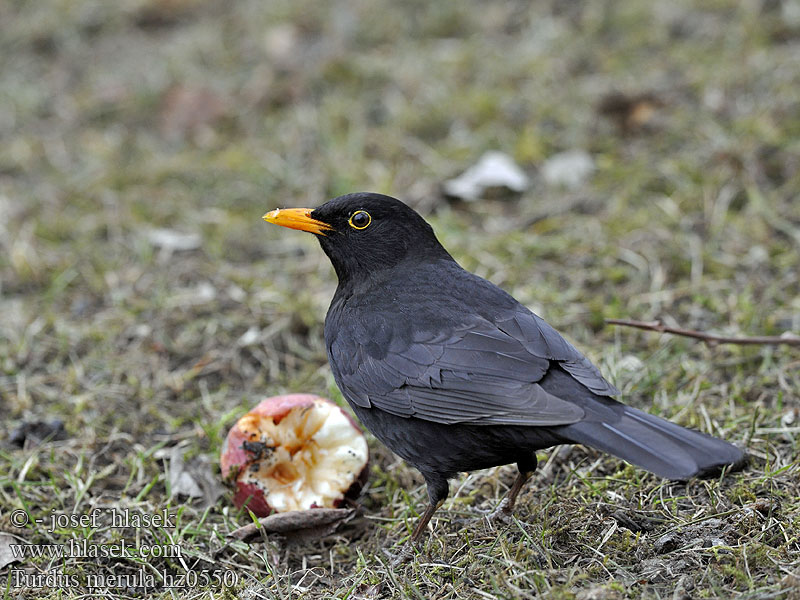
(650,442)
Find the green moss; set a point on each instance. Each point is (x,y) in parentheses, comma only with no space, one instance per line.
(741,493)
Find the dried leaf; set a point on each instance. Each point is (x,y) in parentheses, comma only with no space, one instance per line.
(366,591)
(631,112)
(493,170)
(180,480)
(297,524)
(33,433)
(633,521)
(763,506)
(6,555)
(193,480)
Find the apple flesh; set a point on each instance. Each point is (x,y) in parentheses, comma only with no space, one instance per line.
(294,452)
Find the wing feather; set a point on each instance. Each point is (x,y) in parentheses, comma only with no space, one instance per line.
(477,374)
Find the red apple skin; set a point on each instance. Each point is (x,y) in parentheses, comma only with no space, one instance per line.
(253,498)
(236,456)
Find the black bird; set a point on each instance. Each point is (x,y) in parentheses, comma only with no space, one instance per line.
(453,374)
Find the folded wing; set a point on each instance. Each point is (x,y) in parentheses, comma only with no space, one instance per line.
(480,372)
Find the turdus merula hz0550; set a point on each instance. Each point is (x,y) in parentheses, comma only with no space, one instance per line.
(453,374)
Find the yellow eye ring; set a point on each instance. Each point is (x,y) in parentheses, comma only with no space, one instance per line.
(360,219)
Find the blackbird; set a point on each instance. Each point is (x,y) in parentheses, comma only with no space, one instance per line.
(453,374)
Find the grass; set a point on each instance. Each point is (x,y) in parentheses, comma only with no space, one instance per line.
(122,118)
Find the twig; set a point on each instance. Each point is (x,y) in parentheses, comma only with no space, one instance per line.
(709,338)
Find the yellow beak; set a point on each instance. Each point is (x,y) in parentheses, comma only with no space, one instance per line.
(297,218)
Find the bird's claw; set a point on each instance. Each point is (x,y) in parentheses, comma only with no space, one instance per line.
(502,515)
(405,555)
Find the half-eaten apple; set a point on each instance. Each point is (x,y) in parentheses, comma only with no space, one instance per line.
(294,452)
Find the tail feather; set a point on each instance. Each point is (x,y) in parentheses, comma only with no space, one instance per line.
(642,439)
(650,442)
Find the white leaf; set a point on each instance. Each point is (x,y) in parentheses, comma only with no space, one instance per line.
(181,481)
(170,239)
(569,169)
(494,169)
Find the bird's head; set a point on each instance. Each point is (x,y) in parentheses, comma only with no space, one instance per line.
(364,233)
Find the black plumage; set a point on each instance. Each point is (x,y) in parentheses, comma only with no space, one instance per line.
(453,374)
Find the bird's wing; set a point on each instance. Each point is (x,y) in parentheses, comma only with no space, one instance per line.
(481,372)
(540,339)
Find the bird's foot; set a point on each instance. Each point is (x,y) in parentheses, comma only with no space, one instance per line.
(405,555)
(502,515)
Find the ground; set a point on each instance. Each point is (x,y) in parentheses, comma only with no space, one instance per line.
(145,305)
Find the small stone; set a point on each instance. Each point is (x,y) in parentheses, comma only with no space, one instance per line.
(666,543)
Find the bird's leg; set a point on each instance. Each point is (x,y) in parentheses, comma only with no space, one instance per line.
(424,519)
(437,493)
(504,510)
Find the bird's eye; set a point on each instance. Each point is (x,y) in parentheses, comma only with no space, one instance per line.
(360,219)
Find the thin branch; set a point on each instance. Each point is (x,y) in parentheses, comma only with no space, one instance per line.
(711,339)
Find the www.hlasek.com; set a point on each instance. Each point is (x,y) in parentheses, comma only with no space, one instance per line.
(86,549)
